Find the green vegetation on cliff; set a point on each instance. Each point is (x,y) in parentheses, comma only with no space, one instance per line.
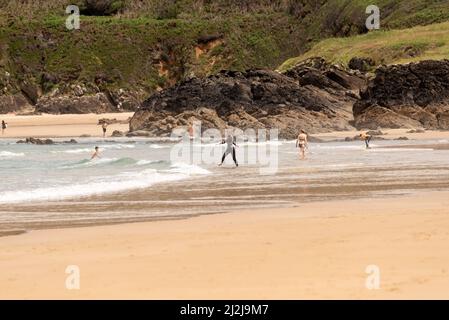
(383,47)
(150,44)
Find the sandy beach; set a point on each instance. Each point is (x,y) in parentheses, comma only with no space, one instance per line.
(61,126)
(316,250)
(75,125)
(319,249)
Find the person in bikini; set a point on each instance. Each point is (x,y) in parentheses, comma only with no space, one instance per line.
(302,143)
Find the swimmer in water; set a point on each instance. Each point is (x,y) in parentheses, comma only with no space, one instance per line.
(302,143)
(96,154)
(367,138)
(229,149)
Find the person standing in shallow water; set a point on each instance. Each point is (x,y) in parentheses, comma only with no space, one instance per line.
(191,131)
(302,143)
(230,148)
(4,126)
(367,138)
(104,126)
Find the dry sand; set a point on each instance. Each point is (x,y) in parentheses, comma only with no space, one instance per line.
(74,125)
(316,250)
(389,134)
(54,126)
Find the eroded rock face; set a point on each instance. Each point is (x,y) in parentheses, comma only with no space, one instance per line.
(68,104)
(403,96)
(312,96)
(14,103)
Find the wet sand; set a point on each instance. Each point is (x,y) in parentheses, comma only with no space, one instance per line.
(315,250)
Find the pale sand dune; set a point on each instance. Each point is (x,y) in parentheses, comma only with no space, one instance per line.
(317,250)
(53,126)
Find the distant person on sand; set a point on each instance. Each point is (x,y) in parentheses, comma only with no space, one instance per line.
(4,126)
(230,141)
(367,138)
(96,154)
(302,143)
(104,126)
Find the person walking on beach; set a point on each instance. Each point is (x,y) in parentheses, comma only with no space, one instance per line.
(96,154)
(230,148)
(367,138)
(4,126)
(104,126)
(302,143)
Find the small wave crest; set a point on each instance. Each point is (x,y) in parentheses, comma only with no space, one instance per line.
(91,150)
(7,154)
(125,181)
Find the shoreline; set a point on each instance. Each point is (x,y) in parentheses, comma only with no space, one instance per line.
(314,250)
(154,219)
(76,125)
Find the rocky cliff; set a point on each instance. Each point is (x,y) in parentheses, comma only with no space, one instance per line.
(126,50)
(314,96)
(412,95)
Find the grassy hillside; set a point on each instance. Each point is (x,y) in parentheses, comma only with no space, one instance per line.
(152,44)
(384,47)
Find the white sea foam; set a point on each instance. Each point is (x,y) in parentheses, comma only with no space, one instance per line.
(91,150)
(74,151)
(189,169)
(158,146)
(117,146)
(104,185)
(91,163)
(147,162)
(8,155)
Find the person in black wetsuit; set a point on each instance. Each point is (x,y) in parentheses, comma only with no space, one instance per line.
(229,149)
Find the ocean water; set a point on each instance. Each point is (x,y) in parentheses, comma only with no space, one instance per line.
(62,171)
(140,179)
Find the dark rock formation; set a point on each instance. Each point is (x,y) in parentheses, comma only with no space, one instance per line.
(117,133)
(36,141)
(71,141)
(406,96)
(13,103)
(100,7)
(65,104)
(313,96)
(361,64)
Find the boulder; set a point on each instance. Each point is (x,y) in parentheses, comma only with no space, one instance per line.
(139,133)
(415,95)
(117,133)
(14,103)
(312,96)
(36,141)
(71,141)
(361,64)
